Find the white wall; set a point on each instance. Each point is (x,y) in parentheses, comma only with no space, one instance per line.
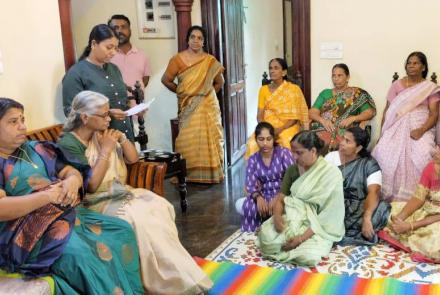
(86,14)
(377,37)
(32,55)
(263,40)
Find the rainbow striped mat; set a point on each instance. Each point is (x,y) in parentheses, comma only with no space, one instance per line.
(231,278)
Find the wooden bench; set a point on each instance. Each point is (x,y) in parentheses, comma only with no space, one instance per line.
(148,175)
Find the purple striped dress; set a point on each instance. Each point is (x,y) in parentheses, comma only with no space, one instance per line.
(265,180)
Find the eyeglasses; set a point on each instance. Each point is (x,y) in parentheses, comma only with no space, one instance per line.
(105,115)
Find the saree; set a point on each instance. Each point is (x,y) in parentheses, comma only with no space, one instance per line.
(424,242)
(166,267)
(84,252)
(317,202)
(355,174)
(284,104)
(401,158)
(337,107)
(200,139)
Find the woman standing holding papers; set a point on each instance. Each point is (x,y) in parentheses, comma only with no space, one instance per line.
(95,72)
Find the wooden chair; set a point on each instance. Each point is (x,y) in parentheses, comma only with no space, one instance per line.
(433,77)
(297,79)
(142,174)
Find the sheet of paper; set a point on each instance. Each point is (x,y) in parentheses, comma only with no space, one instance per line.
(139,108)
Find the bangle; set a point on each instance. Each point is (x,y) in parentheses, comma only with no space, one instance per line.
(124,139)
(300,240)
(101,156)
(412,226)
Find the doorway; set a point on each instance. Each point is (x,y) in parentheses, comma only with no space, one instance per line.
(296,33)
(223,20)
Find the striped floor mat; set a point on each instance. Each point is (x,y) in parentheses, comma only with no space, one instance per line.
(231,278)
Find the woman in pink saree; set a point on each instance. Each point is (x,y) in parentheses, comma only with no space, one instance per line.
(408,129)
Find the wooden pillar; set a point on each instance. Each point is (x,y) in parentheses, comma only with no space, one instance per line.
(64,7)
(183,10)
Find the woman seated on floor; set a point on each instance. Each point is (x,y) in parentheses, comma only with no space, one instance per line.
(166,266)
(307,221)
(339,108)
(41,233)
(365,213)
(414,225)
(264,173)
(282,104)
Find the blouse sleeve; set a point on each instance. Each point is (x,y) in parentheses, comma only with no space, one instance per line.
(288,179)
(393,91)
(320,100)
(72,85)
(72,150)
(262,97)
(434,97)
(424,185)
(173,67)
(2,175)
(252,182)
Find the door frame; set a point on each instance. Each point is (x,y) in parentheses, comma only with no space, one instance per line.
(212,12)
(301,59)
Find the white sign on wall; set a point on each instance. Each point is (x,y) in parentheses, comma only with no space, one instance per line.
(155,19)
(331,50)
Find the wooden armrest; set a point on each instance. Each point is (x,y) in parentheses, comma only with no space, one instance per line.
(148,175)
(51,133)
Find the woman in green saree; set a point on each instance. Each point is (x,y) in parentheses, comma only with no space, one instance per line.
(306,223)
(340,107)
(41,231)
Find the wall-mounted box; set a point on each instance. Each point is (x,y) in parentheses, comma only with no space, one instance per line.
(156,19)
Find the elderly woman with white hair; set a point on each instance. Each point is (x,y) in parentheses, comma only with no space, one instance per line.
(166,266)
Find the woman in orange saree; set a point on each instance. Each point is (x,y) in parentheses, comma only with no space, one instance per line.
(200,139)
(282,104)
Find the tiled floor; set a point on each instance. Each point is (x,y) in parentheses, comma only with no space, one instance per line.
(211,215)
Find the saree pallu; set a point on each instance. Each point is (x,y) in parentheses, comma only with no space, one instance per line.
(401,158)
(316,202)
(166,267)
(31,244)
(200,139)
(424,240)
(355,176)
(338,107)
(284,104)
(85,259)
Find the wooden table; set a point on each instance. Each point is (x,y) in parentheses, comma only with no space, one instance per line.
(176,166)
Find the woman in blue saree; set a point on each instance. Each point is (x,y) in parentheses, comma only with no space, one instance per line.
(41,231)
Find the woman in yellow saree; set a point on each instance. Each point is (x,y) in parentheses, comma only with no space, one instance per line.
(200,139)
(282,104)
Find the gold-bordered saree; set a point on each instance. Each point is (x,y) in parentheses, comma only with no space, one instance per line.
(200,139)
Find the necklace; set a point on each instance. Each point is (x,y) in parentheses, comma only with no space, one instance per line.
(28,160)
(342,92)
(412,83)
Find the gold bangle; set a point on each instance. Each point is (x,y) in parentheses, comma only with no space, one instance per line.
(104,158)
(412,226)
(124,139)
